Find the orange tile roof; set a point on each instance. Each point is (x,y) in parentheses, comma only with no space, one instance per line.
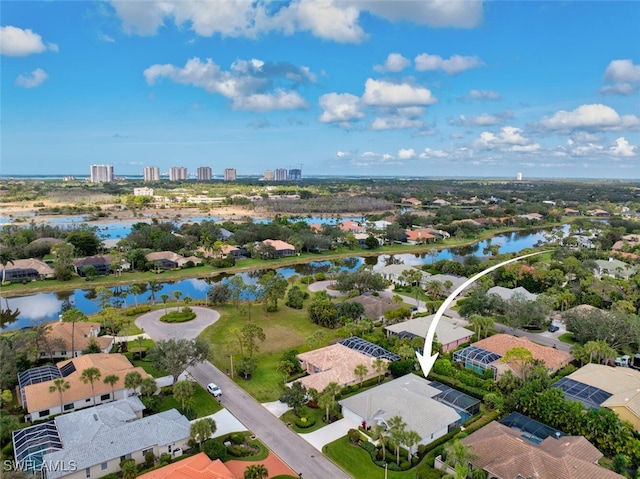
(39,398)
(194,467)
(279,245)
(415,235)
(553,358)
(83,332)
(501,451)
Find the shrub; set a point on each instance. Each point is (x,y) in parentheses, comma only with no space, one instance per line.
(305,421)
(354,436)
(149,458)
(214,449)
(143,308)
(320,277)
(405,465)
(236,451)
(236,438)
(370,448)
(178,316)
(165,458)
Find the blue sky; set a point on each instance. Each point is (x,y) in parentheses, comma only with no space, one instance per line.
(369,87)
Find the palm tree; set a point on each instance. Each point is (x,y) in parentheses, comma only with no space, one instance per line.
(177,295)
(459,456)
(256,471)
(164,299)
(202,430)
(397,428)
(361,371)
(132,380)
(411,438)
(154,287)
(111,380)
(91,375)
(380,431)
(60,385)
(135,290)
(329,396)
(379,365)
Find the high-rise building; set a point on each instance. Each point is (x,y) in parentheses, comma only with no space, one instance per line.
(519,177)
(229,174)
(204,173)
(177,173)
(151,173)
(268,175)
(295,174)
(101,173)
(280,174)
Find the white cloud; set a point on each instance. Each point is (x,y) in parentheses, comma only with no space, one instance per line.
(590,117)
(433,13)
(106,38)
(483,95)
(618,89)
(394,63)
(32,80)
(406,153)
(339,108)
(509,139)
(479,120)
(16,42)
(620,71)
(251,85)
(623,148)
(327,19)
(429,153)
(385,93)
(394,123)
(451,66)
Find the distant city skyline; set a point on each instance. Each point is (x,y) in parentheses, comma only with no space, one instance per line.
(404,88)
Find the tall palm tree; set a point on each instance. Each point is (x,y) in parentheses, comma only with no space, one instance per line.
(154,287)
(397,428)
(411,438)
(164,299)
(132,380)
(380,431)
(379,365)
(256,471)
(135,290)
(60,385)
(91,375)
(177,295)
(361,371)
(111,380)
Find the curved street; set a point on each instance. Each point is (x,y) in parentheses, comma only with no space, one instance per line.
(301,456)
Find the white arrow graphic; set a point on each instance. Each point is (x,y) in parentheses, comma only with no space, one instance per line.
(426,360)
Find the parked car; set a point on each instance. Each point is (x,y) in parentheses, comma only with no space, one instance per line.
(553,328)
(623,361)
(214,389)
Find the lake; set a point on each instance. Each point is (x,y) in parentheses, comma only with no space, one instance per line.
(48,306)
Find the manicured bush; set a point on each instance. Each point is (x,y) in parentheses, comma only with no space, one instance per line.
(354,436)
(320,276)
(305,421)
(236,451)
(214,449)
(143,308)
(178,316)
(236,439)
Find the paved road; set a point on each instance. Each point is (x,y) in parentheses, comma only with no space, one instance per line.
(150,323)
(301,456)
(546,339)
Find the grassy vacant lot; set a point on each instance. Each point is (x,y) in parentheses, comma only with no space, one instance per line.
(357,462)
(285,329)
(204,403)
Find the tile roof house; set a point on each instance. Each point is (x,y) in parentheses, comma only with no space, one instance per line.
(420,235)
(59,339)
(503,454)
(335,363)
(194,467)
(351,227)
(102,264)
(282,248)
(508,293)
(40,403)
(553,358)
(410,397)
(98,439)
(450,332)
(621,384)
(26,270)
(375,306)
(170,260)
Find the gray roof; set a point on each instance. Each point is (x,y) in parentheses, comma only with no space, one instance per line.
(410,397)
(448,329)
(398,269)
(99,434)
(443,278)
(507,293)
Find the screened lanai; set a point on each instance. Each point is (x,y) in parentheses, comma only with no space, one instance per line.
(477,359)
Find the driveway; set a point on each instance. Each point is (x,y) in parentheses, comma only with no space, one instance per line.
(324,286)
(329,433)
(150,323)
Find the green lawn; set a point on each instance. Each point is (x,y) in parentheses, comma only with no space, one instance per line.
(204,403)
(318,414)
(357,462)
(284,330)
(148,367)
(567,338)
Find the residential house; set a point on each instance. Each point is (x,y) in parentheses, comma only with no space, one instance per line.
(532,217)
(350,226)
(614,268)
(600,213)
(194,467)
(507,293)
(40,403)
(571,212)
(597,385)
(507,453)
(394,272)
(440,202)
(58,344)
(488,354)
(381,225)
(448,281)
(411,201)
(101,263)
(375,306)
(95,441)
(334,364)
(450,332)
(29,269)
(420,236)
(170,260)
(411,397)
(282,248)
